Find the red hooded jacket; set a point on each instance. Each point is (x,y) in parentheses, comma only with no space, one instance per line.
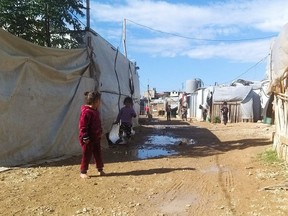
(89,124)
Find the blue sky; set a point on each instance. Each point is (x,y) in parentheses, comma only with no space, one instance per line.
(175,41)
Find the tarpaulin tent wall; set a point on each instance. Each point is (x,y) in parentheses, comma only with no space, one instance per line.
(243,103)
(278,76)
(118,79)
(196,99)
(41,91)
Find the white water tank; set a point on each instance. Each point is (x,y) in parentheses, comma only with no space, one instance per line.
(192,85)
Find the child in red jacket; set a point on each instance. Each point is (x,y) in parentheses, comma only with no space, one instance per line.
(90,131)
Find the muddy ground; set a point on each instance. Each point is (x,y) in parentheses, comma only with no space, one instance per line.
(170,168)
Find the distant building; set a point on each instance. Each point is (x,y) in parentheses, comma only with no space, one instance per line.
(151,93)
(162,95)
(174,94)
(159,101)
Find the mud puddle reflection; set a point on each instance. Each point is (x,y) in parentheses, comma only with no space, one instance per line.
(162,142)
(155,146)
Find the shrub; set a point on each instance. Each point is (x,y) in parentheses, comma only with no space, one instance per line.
(217,119)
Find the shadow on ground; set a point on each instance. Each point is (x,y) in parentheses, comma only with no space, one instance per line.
(159,138)
(146,172)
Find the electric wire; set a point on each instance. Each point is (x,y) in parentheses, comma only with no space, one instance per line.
(211,40)
(246,71)
(200,39)
(78,19)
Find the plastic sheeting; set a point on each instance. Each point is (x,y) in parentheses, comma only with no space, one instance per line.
(117,80)
(231,93)
(41,91)
(279,56)
(250,103)
(114,133)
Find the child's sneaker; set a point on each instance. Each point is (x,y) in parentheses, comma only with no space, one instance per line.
(84,176)
(102,173)
(122,142)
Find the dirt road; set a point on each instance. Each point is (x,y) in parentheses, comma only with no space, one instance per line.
(170,168)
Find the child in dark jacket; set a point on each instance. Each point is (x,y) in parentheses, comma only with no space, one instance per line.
(168,112)
(90,131)
(125,116)
(224,111)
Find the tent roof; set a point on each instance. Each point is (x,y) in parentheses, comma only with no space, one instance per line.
(231,93)
(280,54)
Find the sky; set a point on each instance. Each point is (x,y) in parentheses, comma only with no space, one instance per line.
(172,41)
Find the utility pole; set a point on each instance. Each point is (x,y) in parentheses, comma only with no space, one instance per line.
(148,96)
(88,14)
(124,37)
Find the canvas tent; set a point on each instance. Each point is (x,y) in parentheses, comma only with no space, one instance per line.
(243,103)
(195,100)
(278,76)
(41,91)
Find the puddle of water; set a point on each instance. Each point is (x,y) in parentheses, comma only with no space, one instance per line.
(152,153)
(168,140)
(187,141)
(155,147)
(161,140)
(168,126)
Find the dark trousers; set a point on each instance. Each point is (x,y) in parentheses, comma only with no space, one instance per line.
(92,148)
(125,127)
(225,119)
(168,116)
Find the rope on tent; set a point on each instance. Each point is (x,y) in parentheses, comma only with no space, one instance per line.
(131,81)
(119,88)
(92,65)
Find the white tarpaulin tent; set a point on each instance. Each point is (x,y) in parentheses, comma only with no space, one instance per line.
(279,55)
(278,76)
(250,107)
(41,91)
(231,93)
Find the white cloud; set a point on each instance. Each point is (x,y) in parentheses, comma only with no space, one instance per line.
(171,47)
(218,20)
(235,52)
(186,17)
(168,47)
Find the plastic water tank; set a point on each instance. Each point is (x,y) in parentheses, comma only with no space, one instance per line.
(192,85)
